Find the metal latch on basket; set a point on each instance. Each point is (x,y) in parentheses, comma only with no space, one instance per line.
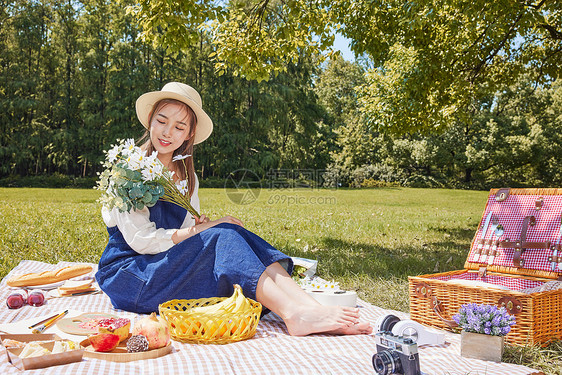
(556,256)
(512,305)
(538,203)
(482,272)
(422,290)
(502,194)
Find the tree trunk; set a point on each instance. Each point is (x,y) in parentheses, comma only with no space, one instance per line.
(468,174)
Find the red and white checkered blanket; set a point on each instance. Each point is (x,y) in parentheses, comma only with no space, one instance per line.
(271,351)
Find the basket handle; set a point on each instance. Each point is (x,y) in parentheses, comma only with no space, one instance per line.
(422,290)
(438,308)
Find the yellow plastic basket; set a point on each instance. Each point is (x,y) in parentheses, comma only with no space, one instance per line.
(209,328)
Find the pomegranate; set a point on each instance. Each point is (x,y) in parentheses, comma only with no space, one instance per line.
(155,329)
(104,342)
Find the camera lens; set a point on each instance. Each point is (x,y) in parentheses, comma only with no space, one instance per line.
(387,362)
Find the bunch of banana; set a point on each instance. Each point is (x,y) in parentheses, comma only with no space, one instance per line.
(230,317)
(236,303)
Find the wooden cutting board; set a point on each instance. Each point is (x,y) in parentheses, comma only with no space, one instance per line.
(120,354)
(72,325)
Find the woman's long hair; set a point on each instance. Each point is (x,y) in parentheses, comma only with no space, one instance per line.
(185,148)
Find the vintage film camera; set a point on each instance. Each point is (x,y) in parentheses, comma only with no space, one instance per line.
(396,355)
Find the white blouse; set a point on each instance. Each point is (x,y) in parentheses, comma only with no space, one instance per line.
(141,233)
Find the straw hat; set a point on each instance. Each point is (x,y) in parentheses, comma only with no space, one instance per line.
(185,94)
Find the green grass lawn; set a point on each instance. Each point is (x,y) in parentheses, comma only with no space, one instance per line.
(368,240)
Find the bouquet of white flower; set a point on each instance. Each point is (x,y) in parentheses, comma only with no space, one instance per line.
(133,180)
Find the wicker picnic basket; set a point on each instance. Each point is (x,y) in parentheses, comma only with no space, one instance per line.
(515,260)
(204,328)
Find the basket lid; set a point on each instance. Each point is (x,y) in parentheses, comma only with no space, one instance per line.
(520,233)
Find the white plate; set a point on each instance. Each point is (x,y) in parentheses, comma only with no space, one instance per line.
(45,286)
(51,285)
(54,293)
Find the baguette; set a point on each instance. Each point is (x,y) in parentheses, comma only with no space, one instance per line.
(49,277)
(71,285)
(64,293)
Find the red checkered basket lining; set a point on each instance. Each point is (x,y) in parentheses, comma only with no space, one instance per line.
(510,214)
(512,283)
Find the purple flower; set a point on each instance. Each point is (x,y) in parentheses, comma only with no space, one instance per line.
(485,319)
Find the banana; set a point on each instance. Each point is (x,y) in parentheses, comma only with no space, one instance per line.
(235,303)
(242,303)
(237,300)
(211,309)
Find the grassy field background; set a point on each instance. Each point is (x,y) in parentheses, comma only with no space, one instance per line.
(368,240)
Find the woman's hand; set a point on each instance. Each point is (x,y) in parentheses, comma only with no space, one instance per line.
(228,219)
(202,219)
(200,225)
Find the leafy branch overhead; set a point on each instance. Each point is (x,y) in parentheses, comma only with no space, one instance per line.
(430,59)
(253,38)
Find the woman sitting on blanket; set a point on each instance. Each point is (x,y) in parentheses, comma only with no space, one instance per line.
(161,253)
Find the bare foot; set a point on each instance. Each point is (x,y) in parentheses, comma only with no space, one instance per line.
(326,319)
(361,328)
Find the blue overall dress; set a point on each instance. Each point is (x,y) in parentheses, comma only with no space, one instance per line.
(204,265)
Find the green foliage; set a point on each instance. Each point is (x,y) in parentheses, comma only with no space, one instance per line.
(257,39)
(267,34)
(336,89)
(55,180)
(173,24)
(430,59)
(71,74)
(73,92)
(372,183)
(512,139)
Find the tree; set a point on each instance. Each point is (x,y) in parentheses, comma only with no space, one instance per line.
(71,72)
(431,58)
(96,43)
(64,143)
(336,87)
(24,60)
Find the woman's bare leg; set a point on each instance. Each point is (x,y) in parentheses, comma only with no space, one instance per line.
(288,285)
(302,316)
